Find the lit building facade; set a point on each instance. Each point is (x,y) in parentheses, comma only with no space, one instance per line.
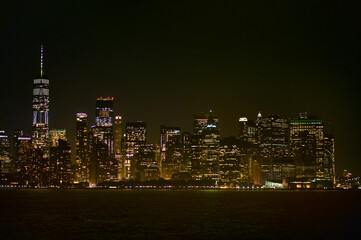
(329,158)
(230,167)
(199,125)
(60,162)
(82,150)
(23,153)
(55,135)
(273,137)
(104,135)
(41,100)
(247,130)
(135,136)
(5,160)
(146,163)
(171,151)
(210,142)
(118,144)
(17,133)
(306,145)
(187,152)
(104,119)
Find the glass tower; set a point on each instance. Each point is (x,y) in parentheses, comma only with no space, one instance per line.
(40,130)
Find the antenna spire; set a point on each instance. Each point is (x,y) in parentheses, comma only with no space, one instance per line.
(41,60)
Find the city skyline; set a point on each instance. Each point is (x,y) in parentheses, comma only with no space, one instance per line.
(150,88)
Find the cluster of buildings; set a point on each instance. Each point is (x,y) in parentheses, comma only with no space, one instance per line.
(270,151)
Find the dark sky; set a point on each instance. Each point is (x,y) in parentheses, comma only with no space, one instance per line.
(165,61)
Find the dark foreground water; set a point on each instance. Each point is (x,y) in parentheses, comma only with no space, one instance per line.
(165,214)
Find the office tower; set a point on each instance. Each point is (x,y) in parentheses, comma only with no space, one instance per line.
(210,140)
(273,137)
(230,168)
(306,146)
(118,142)
(329,158)
(187,152)
(5,160)
(146,164)
(61,173)
(199,124)
(40,130)
(171,151)
(95,156)
(135,135)
(23,152)
(55,135)
(101,165)
(82,150)
(108,167)
(247,130)
(104,122)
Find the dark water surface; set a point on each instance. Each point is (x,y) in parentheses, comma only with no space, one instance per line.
(167,214)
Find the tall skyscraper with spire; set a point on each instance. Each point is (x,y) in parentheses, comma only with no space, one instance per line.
(40,130)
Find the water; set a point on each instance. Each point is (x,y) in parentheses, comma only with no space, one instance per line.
(167,214)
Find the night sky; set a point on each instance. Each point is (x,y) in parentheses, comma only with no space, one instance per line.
(165,61)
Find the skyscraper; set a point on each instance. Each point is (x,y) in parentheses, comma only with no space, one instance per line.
(4,153)
(209,163)
(146,164)
(306,143)
(104,135)
(118,145)
(230,168)
(40,131)
(171,151)
(23,159)
(247,130)
(273,137)
(329,158)
(61,173)
(104,120)
(199,124)
(135,136)
(205,147)
(82,158)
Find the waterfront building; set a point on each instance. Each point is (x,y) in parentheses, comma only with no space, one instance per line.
(104,131)
(329,166)
(199,124)
(135,136)
(230,167)
(23,153)
(60,164)
(104,120)
(118,144)
(82,150)
(306,146)
(5,160)
(146,163)
(273,138)
(171,151)
(187,152)
(210,145)
(202,127)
